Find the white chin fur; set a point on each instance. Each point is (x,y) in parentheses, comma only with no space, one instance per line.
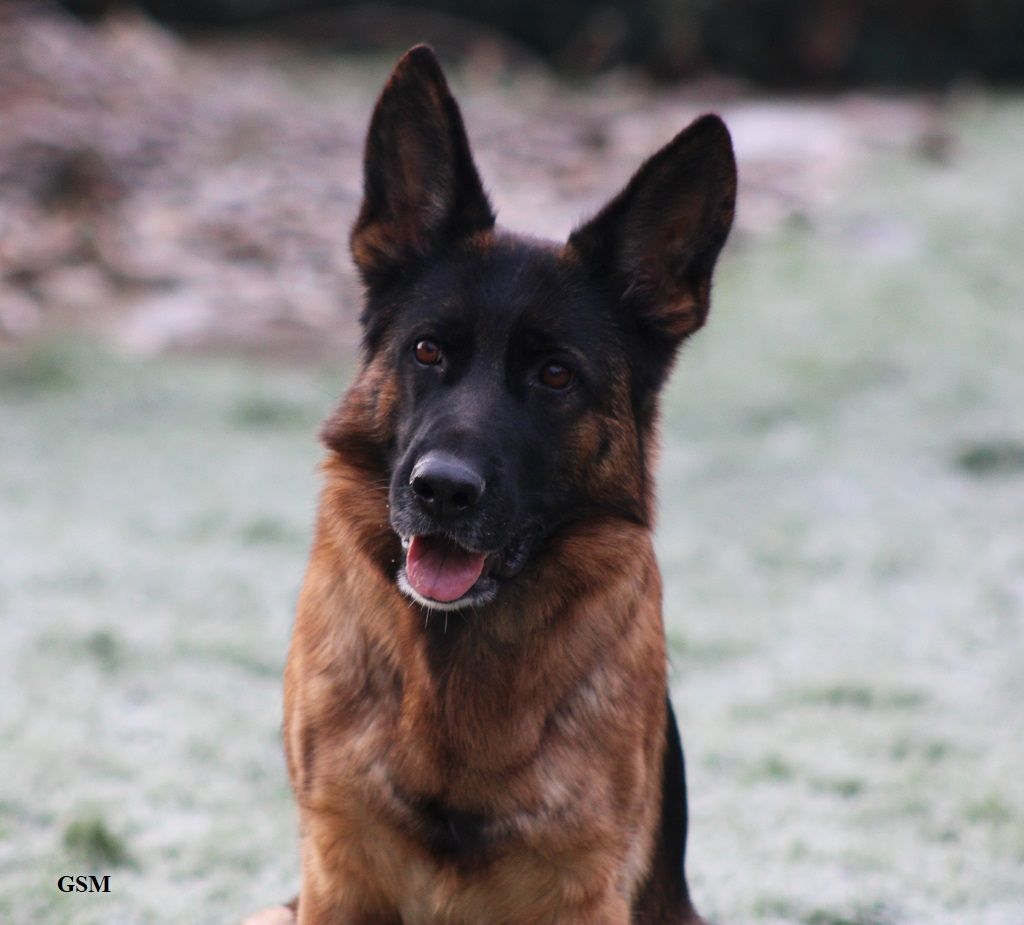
(467,600)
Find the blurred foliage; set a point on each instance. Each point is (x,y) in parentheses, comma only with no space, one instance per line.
(775,42)
(992,457)
(89,839)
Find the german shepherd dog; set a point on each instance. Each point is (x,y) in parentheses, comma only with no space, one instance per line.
(477,723)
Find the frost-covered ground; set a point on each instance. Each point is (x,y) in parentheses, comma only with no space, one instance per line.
(842,533)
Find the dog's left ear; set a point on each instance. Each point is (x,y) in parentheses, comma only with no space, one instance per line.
(655,244)
(421,189)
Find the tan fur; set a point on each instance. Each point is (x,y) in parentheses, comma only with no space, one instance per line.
(609,454)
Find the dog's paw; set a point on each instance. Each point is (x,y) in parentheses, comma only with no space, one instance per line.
(278,915)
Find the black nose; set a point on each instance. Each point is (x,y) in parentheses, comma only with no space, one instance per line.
(445,486)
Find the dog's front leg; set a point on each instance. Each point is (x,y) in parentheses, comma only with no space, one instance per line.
(318,912)
(338,907)
(610,909)
(336,889)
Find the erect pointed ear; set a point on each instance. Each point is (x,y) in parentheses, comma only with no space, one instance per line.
(420,186)
(655,244)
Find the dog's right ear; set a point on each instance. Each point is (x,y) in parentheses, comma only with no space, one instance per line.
(421,189)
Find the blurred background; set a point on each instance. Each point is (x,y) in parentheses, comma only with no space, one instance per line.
(842,484)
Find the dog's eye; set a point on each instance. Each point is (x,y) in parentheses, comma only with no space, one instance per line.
(427,353)
(555,376)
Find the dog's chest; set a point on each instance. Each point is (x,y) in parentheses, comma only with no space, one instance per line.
(470,867)
(462,817)
(451,835)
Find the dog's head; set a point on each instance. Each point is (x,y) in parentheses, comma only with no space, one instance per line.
(509,385)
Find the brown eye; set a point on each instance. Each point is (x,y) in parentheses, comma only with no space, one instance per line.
(555,376)
(428,353)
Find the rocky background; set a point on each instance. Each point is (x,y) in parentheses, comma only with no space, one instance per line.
(198,195)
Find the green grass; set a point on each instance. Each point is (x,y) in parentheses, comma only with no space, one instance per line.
(39,370)
(88,840)
(991,458)
(842,536)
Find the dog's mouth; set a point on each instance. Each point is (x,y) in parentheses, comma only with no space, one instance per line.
(441,573)
(440,569)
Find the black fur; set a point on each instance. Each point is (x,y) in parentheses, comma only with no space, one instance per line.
(665,898)
(453,835)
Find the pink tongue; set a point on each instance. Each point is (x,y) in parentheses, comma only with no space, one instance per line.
(440,570)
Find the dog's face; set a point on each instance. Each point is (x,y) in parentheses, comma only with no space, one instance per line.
(509,385)
(506,360)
